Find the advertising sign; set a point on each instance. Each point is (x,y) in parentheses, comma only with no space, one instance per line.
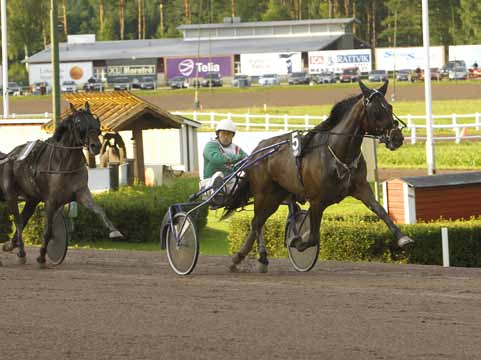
(469,53)
(408,58)
(338,60)
(79,72)
(191,67)
(271,63)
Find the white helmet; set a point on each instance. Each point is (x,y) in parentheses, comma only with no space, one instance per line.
(225,124)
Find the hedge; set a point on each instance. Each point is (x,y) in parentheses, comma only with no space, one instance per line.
(136,211)
(366,238)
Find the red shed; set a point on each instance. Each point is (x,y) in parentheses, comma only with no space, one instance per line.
(450,196)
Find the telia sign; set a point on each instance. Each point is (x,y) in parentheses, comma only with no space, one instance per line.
(198,66)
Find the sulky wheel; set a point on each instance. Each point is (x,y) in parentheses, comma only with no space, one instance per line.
(305,260)
(58,244)
(183,246)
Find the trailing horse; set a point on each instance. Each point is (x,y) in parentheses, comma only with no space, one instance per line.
(330,167)
(54,172)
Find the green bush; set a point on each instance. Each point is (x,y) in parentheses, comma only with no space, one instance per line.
(136,211)
(5,223)
(366,238)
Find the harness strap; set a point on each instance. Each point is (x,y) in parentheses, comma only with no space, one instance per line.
(346,167)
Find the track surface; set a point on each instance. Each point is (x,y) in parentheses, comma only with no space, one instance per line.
(130,305)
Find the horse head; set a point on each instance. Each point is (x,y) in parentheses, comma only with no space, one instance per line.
(379,120)
(85,127)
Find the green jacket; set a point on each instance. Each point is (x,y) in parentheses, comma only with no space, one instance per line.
(216,159)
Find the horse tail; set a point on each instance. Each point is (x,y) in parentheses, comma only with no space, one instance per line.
(239,198)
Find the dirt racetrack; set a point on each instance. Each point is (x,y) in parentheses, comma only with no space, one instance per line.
(278,96)
(130,305)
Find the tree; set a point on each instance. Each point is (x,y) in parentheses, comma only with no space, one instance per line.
(469,12)
(275,11)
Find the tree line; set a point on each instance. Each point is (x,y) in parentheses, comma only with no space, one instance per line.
(383,23)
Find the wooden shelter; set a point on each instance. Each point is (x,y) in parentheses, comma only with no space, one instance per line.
(121,111)
(448,196)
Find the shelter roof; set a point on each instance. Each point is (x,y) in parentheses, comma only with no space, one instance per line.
(467,178)
(155,48)
(121,110)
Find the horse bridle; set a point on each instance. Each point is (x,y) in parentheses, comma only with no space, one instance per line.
(83,144)
(387,136)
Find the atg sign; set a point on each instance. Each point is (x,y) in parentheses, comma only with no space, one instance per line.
(198,66)
(337,60)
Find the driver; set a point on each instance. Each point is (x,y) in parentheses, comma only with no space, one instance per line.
(220,156)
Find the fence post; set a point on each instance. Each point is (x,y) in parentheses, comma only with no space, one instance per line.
(412,127)
(306,121)
(286,123)
(194,116)
(445,243)
(248,124)
(476,120)
(267,122)
(457,130)
(212,120)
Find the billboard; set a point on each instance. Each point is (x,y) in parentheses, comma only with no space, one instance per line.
(271,63)
(79,72)
(191,67)
(337,60)
(469,53)
(408,58)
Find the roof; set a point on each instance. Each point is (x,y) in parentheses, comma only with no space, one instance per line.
(468,178)
(268,23)
(120,110)
(155,48)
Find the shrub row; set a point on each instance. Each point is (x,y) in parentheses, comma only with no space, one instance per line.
(366,238)
(136,211)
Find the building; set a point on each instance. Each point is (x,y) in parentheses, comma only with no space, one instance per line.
(228,48)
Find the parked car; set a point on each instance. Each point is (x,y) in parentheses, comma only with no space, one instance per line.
(268,79)
(40,88)
(450,65)
(212,79)
(324,78)
(68,86)
(459,72)
(377,75)
(13,89)
(121,83)
(298,78)
(350,75)
(178,82)
(144,83)
(405,75)
(93,84)
(241,81)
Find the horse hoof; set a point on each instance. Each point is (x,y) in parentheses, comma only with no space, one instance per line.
(262,268)
(8,246)
(405,240)
(21,260)
(295,242)
(115,234)
(233,268)
(41,265)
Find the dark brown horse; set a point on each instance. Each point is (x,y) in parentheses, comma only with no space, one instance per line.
(330,168)
(53,171)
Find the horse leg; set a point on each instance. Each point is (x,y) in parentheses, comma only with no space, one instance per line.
(265,204)
(50,210)
(315,217)
(364,193)
(84,197)
(26,214)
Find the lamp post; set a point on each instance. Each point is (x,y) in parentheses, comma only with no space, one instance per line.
(55,62)
(4,58)
(427,92)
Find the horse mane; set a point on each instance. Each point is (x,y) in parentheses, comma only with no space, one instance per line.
(338,111)
(63,129)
